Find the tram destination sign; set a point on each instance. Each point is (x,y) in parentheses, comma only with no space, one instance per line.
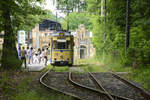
(61,40)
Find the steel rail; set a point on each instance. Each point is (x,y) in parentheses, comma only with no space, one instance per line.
(145,93)
(100,86)
(50,87)
(95,90)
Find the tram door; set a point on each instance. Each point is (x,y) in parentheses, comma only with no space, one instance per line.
(82,52)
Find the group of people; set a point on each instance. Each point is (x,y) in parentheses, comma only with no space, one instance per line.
(32,56)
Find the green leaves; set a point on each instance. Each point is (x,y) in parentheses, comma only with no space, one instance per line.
(18,15)
(75,19)
(71,5)
(114,27)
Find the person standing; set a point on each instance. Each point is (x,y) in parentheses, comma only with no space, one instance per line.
(42,55)
(35,58)
(32,54)
(39,55)
(23,56)
(28,55)
(45,56)
(19,53)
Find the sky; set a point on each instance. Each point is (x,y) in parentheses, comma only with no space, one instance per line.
(49,5)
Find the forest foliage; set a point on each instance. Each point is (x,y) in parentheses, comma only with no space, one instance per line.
(108,31)
(112,44)
(138,53)
(75,19)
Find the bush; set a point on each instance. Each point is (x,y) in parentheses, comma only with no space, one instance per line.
(10,59)
(13,62)
(139,55)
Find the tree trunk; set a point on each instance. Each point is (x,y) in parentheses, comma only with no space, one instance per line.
(105,20)
(68,11)
(127,26)
(9,52)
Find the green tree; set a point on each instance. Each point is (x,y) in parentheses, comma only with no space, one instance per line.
(16,14)
(71,5)
(75,19)
(68,6)
(114,45)
(109,30)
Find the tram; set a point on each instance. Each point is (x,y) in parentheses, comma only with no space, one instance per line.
(61,48)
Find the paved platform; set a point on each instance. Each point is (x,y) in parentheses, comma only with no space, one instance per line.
(35,67)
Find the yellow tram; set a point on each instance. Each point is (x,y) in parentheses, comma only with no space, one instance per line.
(61,48)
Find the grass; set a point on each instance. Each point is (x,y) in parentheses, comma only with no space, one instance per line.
(92,65)
(33,95)
(57,68)
(141,75)
(95,68)
(61,68)
(21,86)
(47,68)
(39,93)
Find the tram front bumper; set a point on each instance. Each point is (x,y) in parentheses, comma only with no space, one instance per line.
(61,63)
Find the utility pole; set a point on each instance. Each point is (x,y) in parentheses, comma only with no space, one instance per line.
(68,15)
(127,30)
(67,19)
(56,20)
(104,20)
(103,14)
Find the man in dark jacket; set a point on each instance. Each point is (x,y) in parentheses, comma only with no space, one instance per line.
(23,56)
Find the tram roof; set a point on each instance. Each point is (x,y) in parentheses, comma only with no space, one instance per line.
(49,24)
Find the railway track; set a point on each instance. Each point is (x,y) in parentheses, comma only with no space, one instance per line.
(71,90)
(73,85)
(144,93)
(101,95)
(101,90)
(53,88)
(141,94)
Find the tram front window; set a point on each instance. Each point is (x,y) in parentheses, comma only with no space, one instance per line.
(61,45)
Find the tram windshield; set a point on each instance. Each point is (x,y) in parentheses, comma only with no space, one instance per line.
(61,45)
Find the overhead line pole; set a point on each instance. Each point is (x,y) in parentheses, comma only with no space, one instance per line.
(67,20)
(68,15)
(103,14)
(104,20)
(56,20)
